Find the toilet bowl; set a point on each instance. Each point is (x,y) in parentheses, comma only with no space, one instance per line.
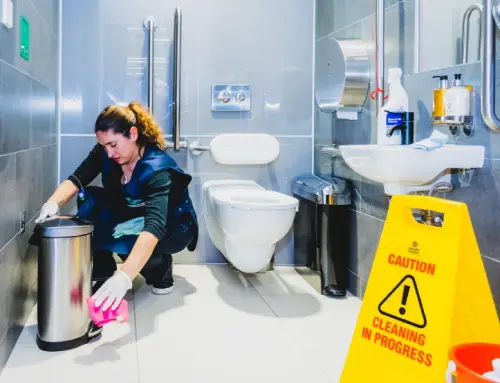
(245,221)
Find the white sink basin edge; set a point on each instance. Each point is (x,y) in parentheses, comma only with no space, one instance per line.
(403,165)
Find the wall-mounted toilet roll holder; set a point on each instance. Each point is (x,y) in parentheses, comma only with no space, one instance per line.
(342,76)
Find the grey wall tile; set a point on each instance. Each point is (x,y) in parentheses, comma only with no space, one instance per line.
(73,151)
(43,126)
(48,10)
(325,10)
(9,268)
(15,110)
(482,197)
(353,283)
(493,272)
(8,199)
(29,174)
(49,171)
(367,234)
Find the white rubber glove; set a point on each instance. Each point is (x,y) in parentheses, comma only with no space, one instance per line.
(49,209)
(112,291)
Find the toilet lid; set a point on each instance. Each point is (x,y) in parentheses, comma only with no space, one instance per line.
(256,199)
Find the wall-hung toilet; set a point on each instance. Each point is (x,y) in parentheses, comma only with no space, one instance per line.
(244,220)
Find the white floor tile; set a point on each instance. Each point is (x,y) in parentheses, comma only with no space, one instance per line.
(322,326)
(218,325)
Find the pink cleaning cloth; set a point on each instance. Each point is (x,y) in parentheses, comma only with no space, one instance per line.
(100,317)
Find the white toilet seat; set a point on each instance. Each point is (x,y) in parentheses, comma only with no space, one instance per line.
(255,199)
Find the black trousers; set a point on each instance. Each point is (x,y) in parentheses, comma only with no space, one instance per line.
(157,271)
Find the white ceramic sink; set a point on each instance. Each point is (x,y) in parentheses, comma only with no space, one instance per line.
(399,166)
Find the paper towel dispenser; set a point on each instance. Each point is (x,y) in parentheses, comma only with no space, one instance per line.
(342,77)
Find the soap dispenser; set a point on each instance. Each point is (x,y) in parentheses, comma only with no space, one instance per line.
(438,109)
(457,100)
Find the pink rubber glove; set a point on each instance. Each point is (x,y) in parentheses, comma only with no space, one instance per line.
(112,291)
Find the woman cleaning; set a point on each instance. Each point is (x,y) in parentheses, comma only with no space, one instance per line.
(143,212)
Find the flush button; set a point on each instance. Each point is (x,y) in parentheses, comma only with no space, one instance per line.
(240,97)
(224,97)
(231,98)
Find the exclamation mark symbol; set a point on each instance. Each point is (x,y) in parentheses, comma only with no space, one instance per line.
(406,291)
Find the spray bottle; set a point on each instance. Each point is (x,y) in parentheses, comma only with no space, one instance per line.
(397,102)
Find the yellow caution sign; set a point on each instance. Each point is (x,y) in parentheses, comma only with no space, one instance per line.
(427,292)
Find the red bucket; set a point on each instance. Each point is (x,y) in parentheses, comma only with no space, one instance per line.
(473,360)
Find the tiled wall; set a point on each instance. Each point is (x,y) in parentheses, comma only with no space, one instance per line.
(268,45)
(335,18)
(28,156)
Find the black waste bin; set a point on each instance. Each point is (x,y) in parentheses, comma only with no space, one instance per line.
(322,230)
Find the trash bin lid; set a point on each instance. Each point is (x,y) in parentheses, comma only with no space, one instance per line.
(63,226)
(333,191)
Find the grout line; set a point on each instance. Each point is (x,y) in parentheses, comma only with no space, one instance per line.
(367,215)
(18,234)
(26,150)
(136,338)
(23,72)
(260,295)
(43,19)
(491,259)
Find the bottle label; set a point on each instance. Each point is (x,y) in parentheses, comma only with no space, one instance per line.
(393,119)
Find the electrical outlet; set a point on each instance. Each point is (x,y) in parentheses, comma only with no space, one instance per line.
(22,221)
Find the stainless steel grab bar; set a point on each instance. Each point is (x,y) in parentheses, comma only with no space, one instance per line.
(466,31)
(177,45)
(380,51)
(417,64)
(488,51)
(149,23)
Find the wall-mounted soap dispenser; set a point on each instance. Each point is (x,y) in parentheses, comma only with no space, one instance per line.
(456,108)
(438,107)
(457,101)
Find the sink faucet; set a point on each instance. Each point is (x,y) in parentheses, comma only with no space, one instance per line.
(406,127)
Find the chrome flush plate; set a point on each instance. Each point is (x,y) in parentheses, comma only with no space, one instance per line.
(230,98)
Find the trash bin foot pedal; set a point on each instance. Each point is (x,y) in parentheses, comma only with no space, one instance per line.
(333,291)
(93,333)
(61,346)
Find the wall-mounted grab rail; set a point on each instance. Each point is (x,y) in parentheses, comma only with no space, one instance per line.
(380,51)
(177,81)
(466,31)
(150,25)
(488,51)
(417,64)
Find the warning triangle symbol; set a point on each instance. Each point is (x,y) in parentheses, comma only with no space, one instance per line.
(404,304)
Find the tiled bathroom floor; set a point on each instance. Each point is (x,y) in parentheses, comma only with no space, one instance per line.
(217,326)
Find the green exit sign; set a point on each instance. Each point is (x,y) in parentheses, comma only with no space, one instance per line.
(24,40)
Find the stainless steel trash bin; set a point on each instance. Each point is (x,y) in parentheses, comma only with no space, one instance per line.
(322,232)
(64,283)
